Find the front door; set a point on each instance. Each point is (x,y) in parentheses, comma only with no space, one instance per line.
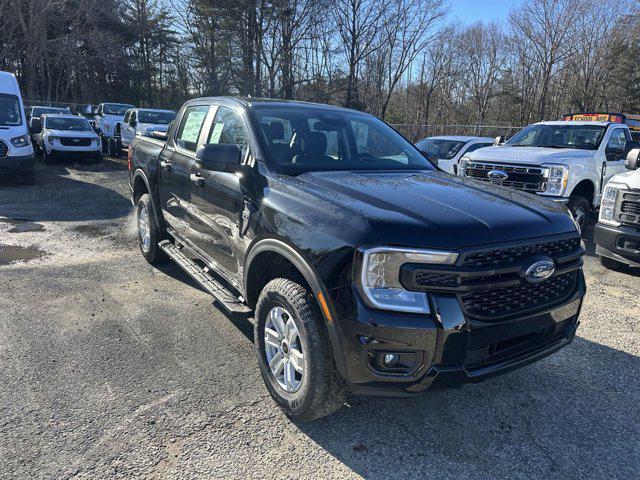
(176,162)
(614,154)
(218,201)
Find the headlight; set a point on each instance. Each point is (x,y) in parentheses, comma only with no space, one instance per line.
(51,140)
(558,176)
(462,167)
(21,141)
(608,204)
(380,277)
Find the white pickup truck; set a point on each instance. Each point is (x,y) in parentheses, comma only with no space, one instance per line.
(143,121)
(566,161)
(617,234)
(107,121)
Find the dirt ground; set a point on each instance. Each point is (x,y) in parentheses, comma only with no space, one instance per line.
(110,368)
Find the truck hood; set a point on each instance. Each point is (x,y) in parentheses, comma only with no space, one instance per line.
(435,209)
(530,155)
(631,178)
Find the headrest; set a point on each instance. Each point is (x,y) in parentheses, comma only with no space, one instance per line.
(276,130)
(314,143)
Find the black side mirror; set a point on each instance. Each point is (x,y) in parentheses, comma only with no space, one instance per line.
(219,157)
(499,140)
(133,123)
(632,162)
(36,125)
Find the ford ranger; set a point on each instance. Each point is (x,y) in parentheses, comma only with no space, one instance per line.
(364,269)
(617,234)
(567,161)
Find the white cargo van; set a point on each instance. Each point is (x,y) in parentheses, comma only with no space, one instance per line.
(16,150)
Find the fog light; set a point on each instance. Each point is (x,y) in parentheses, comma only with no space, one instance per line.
(390,359)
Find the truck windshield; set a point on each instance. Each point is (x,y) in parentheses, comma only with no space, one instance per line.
(39,111)
(441,148)
(115,108)
(584,137)
(9,110)
(300,140)
(62,123)
(157,117)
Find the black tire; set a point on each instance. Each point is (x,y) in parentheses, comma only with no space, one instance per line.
(152,253)
(46,158)
(29,178)
(115,148)
(104,141)
(322,391)
(580,209)
(612,264)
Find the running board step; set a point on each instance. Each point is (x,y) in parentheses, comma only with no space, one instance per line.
(220,293)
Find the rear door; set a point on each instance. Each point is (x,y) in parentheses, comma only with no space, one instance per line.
(218,202)
(175,164)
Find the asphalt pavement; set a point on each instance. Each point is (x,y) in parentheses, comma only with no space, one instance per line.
(110,368)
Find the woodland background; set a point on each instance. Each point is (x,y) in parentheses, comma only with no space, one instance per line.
(406,61)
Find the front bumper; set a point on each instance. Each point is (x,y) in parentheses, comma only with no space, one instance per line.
(618,243)
(18,165)
(75,153)
(451,349)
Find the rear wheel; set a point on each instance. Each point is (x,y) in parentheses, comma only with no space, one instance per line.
(580,209)
(294,352)
(149,233)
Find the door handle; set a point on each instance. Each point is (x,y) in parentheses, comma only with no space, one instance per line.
(197,179)
(166,165)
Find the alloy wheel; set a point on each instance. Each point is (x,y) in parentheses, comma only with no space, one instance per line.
(144,230)
(283,349)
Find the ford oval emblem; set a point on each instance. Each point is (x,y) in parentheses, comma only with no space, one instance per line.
(497,175)
(539,270)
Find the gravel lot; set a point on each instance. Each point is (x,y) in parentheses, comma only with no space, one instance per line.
(113,369)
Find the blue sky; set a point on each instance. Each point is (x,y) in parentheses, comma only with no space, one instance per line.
(470,11)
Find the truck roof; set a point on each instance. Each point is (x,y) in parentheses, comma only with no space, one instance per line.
(250,102)
(574,122)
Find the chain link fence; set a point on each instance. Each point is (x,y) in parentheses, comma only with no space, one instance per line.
(418,132)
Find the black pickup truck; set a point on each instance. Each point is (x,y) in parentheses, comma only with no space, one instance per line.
(364,268)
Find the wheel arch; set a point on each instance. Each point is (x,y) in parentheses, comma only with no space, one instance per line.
(262,254)
(140,185)
(587,189)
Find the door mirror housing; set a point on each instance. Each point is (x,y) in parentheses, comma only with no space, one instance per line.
(219,157)
(632,162)
(499,140)
(133,123)
(36,125)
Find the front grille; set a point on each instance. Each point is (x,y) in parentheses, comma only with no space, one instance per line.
(506,301)
(436,279)
(629,209)
(4,149)
(504,257)
(75,142)
(521,177)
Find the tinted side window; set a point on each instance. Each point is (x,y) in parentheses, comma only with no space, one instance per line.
(476,146)
(190,127)
(228,128)
(617,139)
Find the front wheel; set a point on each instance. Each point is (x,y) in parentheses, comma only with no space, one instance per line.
(612,264)
(294,352)
(580,209)
(149,233)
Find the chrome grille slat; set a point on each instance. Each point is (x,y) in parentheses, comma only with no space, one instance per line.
(521,177)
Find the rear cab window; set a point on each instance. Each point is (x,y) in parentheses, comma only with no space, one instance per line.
(191,126)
